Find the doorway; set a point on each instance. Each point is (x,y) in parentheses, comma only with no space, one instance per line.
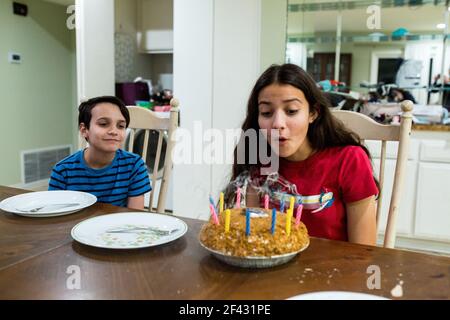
(384,66)
(321,67)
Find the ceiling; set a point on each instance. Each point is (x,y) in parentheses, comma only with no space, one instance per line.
(415,19)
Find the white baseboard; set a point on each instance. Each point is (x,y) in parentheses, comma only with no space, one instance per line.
(429,246)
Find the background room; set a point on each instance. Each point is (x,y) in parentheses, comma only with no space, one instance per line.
(209,62)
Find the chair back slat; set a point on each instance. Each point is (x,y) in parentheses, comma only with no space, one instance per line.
(381,180)
(156,165)
(173,124)
(131,143)
(368,129)
(400,174)
(145,145)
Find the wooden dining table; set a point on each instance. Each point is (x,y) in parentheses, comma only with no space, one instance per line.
(39,258)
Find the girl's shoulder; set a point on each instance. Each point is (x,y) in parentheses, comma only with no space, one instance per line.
(342,156)
(345,151)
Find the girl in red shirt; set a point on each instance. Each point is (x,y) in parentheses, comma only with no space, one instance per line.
(321,163)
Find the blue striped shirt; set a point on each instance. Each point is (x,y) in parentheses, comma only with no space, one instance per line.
(125,177)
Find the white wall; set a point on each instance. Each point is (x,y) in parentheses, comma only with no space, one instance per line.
(216,62)
(39,94)
(361,57)
(129,63)
(154,18)
(95,48)
(236,66)
(193,62)
(273,32)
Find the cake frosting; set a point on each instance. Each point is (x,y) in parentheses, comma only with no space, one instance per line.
(261,242)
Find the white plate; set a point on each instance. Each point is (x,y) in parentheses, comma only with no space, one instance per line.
(31,200)
(95,231)
(254,262)
(337,295)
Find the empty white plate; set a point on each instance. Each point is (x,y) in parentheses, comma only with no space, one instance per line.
(53,203)
(131,230)
(336,295)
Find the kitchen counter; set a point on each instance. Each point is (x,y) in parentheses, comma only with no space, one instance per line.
(430,127)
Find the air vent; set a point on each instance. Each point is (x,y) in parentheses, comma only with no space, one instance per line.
(37,164)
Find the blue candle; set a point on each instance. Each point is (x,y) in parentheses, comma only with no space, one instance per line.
(211,201)
(282,204)
(247,222)
(274,220)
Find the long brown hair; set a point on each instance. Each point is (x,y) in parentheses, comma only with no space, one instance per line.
(324,132)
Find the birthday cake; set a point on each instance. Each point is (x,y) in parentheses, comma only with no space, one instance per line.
(254,236)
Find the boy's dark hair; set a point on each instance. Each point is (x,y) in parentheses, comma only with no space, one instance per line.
(85,109)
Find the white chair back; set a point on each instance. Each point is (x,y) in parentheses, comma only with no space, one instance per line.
(151,122)
(368,129)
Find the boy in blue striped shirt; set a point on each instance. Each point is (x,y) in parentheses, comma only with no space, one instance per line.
(113,175)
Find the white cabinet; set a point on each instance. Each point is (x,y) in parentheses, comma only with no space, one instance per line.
(405,216)
(391,149)
(433,201)
(435,151)
(155,26)
(157,41)
(423,221)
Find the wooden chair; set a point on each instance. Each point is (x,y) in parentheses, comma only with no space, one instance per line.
(368,129)
(144,119)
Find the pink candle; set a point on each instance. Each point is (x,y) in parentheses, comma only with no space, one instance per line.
(299,215)
(214,214)
(238,198)
(266,201)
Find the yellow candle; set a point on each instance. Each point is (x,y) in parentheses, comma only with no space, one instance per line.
(221,203)
(227,220)
(288,221)
(291,203)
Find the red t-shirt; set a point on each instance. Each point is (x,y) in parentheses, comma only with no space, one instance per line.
(346,172)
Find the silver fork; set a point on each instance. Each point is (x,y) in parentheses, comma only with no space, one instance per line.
(62,205)
(140,229)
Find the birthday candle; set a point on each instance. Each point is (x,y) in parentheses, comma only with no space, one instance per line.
(291,204)
(282,204)
(214,214)
(288,222)
(221,202)
(227,220)
(274,220)
(247,222)
(238,198)
(266,201)
(211,201)
(299,214)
